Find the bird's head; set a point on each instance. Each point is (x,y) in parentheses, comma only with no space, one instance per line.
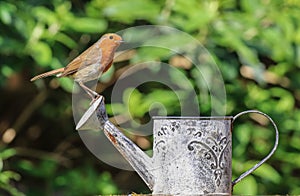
(112,39)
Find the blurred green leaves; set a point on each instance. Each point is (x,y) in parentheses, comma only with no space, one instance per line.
(256,45)
(41,53)
(87,25)
(93,183)
(78,181)
(192,11)
(7,176)
(127,12)
(6,12)
(248,186)
(137,105)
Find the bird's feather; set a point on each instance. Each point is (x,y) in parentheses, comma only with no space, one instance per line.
(90,56)
(49,73)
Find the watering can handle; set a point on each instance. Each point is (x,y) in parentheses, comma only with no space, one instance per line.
(234,182)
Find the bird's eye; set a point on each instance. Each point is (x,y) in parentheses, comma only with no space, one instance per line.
(111,37)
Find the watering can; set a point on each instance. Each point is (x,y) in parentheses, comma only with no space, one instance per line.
(191,155)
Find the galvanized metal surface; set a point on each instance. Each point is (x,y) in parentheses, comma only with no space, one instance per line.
(140,162)
(191,155)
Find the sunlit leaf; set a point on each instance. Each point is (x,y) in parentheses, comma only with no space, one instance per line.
(6,12)
(66,40)
(5,154)
(42,53)
(248,186)
(66,84)
(138,9)
(265,171)
(88,25)
(6,70)
(6,176)
(44,14)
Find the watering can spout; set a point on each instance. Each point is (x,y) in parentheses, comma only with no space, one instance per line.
(96,116)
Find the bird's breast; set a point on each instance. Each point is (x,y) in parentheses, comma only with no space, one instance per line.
(107,56)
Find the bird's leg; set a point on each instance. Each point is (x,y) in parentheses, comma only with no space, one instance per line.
(90,92)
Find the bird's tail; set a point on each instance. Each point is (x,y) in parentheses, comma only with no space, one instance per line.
(49,73)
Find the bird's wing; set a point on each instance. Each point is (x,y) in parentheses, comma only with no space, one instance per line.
(90,56)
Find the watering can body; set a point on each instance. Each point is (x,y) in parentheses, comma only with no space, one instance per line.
(191,155)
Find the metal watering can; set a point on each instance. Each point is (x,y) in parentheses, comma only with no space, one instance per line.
(191,155)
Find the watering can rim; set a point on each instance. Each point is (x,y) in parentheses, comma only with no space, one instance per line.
(192,117)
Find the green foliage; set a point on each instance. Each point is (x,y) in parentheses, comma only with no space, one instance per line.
(78,181)
(93,183)
(7,176)
(125,12)
(256,45)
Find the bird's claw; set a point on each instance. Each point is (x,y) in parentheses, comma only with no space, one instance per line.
(96,96)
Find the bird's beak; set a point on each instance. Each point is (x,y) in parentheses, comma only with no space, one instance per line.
(120,41)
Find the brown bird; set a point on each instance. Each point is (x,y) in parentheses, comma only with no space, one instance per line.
(90,64)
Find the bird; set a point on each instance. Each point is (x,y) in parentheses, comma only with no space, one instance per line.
(90,64)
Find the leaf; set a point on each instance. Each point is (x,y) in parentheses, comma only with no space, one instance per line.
(6,176)
(44,14)
(266,171)
(127,12)
(41,52)
(66,40)
(6,12)
(133,98)
(115,108)
(191,11)
(87,25)
(6,70)
(66,84)
(7,153)
(105,184)
(243,134)
(248,186)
